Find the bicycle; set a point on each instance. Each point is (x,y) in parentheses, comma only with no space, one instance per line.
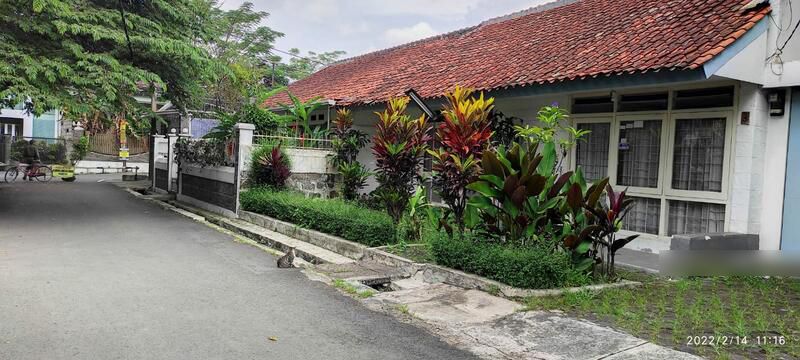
(39,172)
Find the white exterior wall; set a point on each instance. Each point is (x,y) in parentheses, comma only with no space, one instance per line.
(27,120)
(774,178)
(309,161)
(789,73)
(748,162)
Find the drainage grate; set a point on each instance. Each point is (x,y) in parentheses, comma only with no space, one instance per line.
(380,284)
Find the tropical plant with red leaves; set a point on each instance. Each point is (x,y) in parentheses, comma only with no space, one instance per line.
(463,135)
(609,216)
(347,142)
(399,145)
(271,167)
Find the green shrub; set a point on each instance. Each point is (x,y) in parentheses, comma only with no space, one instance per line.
(79,149)
(331,216)
(54,153)
(528,268)
(269,167)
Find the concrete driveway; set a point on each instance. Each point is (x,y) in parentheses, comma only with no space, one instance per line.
(89,272)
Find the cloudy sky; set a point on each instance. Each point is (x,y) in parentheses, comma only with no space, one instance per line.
(361,26)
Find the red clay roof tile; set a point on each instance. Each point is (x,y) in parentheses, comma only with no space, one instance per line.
(577,40)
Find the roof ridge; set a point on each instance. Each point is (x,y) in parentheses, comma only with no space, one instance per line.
(405,45)
(495,20)
(531,10)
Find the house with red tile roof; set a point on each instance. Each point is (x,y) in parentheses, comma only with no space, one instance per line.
(693,105)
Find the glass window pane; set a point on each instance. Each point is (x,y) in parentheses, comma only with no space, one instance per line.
(699,153)
(704,98)
(639,153)
(687,217)
(643,216)
(592,151)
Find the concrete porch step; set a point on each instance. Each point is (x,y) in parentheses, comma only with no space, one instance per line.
(308,252)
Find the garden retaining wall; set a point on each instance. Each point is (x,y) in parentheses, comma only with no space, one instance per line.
(311,172)
(328,242)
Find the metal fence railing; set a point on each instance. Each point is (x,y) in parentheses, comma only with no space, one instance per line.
(315,143)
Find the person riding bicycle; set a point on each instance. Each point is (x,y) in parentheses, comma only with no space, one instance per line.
(30,156)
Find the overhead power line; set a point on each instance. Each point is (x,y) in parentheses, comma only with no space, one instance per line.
(298,56)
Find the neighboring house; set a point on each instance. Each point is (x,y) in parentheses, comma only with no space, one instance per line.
(685,111)
(18,123)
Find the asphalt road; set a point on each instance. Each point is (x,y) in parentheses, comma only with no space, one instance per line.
(89,272)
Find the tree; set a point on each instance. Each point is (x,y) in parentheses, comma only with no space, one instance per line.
(301,66)
(84,56)
(237,41)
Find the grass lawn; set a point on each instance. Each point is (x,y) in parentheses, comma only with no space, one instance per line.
(668,312)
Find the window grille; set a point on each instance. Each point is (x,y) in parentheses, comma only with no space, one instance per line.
(704,98)
(639,153)
(588,105)
(592,152)
(698,154)
(644,102)
(687,217)
(643,216)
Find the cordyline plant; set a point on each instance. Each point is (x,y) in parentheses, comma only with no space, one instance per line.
(398,145)
(463,136)
(273,168)
(347,142)
(609,217)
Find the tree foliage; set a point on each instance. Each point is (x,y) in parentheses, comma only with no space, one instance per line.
(238,40)
(76,55)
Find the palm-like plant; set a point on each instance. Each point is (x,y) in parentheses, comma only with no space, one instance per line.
(299,112)
(463,136)
(399,145)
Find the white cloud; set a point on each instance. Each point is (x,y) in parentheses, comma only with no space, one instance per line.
(319,11)
(359,26)
(346,28)
(438,9)
(407,34)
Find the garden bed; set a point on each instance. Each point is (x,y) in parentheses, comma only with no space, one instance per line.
(330,216)
(668,312)
(433,273)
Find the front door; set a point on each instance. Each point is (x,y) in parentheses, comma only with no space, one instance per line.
(790,234)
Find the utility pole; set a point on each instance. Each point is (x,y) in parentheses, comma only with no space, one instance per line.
(272,81)
(152,156)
